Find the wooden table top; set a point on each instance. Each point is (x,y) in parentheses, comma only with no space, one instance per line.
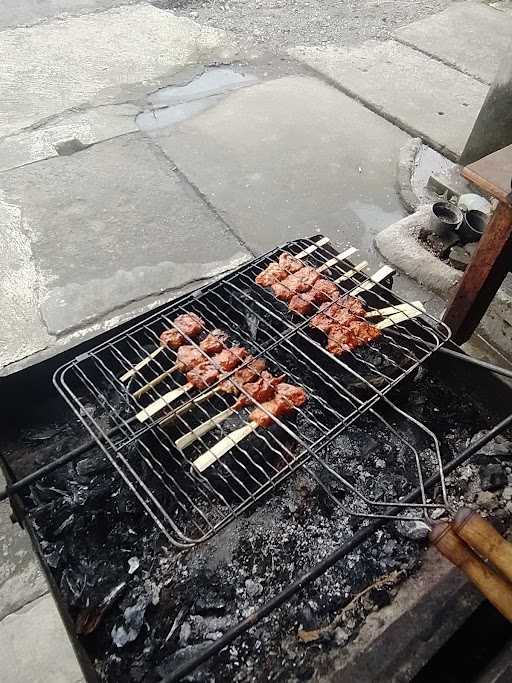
(492,174)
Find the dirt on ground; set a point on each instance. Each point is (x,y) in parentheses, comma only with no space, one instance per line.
(280,24)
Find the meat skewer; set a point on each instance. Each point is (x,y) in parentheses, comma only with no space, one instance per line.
(342,322)
(287,398)
(188,356)
(200,377)
(261,390)
(186,323)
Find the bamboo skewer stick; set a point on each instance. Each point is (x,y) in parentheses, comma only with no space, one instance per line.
(131,373)
(378,276)
(350,273)
(222,447)
(154,382)
(202,429)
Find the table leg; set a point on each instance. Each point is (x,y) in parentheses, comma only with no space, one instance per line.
(483,276)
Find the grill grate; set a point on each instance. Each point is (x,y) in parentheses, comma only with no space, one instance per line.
(189,505)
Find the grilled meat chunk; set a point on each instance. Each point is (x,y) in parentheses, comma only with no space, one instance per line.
(214,342)
(289,263)
(261,390)
(188,324)
(321,292)
(272,273)
(297,283)
(248,373)
(188,357)
(228,359)
(286,398)
(350,336)
(203,375)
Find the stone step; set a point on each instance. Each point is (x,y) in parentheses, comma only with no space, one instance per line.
(421,95)
(470,36)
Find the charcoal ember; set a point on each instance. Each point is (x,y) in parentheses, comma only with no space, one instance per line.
(73,582)
(493,477)
(253,588)
(210,602)
(413,529)
(499,447)
(52,552)
(184,655)
(45,434)
(93,464)
(185,633)
(133,621)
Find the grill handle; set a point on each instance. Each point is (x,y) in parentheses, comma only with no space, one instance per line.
(484,539)
(493,587)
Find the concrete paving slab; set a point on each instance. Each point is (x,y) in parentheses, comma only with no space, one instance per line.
(471,36)
(291,157)
(84,127)
(21,579)
(97,58)
(34,647)
(106,232)
(26,12)
(423,96)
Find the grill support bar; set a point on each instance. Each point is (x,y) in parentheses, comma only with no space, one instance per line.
(325,564)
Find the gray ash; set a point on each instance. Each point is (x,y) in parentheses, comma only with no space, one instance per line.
(141,608)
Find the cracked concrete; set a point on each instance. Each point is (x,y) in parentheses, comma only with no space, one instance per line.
(105,53)
(78,222)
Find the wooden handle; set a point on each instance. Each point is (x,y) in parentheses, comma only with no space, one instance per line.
(494,587)
(483,537)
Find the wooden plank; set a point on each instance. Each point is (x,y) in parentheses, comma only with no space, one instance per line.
(492,174)
(483,276)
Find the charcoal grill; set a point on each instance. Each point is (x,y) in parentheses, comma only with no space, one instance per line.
(190,506)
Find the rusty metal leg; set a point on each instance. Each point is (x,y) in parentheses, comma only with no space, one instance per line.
(483,276)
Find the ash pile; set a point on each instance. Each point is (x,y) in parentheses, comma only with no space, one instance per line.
(141,608)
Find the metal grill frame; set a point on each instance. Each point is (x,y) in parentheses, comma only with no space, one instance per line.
(426,334)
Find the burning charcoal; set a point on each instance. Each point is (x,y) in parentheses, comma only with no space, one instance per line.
(133,622)
(253,588)
(133,564)
(52,552)
(186,654)
(412,529)
(89,618)
(94,464)
(185,632)
(499,447)
(493,477)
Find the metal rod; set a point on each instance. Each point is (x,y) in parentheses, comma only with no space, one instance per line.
(475,361)
(325,564)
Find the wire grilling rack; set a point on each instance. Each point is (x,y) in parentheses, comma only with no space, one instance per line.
(190,504)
